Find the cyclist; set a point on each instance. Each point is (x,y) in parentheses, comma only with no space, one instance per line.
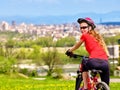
(98,53)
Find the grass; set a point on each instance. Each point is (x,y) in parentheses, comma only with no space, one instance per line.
(18,83)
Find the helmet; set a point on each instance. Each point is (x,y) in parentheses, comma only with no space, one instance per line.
(87,20)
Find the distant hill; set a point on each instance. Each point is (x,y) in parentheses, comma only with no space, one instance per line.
(110,23)
(112,17)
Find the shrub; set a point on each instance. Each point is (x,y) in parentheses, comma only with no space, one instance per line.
(7,64)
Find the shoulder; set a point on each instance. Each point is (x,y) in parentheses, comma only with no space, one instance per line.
(85,35)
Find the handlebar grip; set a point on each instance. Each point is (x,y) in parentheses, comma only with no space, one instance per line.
(76,56)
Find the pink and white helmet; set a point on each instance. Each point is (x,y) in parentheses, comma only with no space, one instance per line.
(87,20)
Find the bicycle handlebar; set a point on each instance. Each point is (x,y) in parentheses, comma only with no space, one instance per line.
(76,56)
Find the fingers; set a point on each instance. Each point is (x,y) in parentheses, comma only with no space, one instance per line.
(69,53)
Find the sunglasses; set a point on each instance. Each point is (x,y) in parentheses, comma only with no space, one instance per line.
(83,27)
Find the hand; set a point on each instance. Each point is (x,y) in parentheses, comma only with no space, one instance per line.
(69,53)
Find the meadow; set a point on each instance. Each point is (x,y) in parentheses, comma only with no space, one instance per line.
(17,83)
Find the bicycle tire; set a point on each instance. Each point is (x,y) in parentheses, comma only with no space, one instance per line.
(78,83)
(102,86)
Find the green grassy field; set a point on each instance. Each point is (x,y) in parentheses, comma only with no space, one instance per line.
(8,83)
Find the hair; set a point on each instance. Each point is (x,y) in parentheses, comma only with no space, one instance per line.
(99,38)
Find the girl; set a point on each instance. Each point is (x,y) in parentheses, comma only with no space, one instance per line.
(98,53)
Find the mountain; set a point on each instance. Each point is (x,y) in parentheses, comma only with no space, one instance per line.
(97,17)
(110,23)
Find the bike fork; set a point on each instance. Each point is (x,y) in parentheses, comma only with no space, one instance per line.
(78,82)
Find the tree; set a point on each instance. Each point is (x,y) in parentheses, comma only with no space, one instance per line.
(9,46)
(67,41)
(36,54)
(52,60)
(44,41)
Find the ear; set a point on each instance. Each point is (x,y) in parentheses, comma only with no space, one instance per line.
(90,28)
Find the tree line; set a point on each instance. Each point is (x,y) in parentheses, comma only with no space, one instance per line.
(13,51)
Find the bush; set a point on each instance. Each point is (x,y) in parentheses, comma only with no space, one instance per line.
(58,72)
(7,64)
(112,68)
(31,73)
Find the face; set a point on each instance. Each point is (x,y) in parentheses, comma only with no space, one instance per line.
(84,27)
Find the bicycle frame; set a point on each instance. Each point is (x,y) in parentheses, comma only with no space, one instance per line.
(92,76)
(92,80)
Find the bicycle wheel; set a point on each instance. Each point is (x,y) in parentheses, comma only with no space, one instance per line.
(78,83)
(102,86)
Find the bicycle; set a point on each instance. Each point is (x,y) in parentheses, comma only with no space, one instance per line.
(93,83)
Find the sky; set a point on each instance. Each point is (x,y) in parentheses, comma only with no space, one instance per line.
(56,7)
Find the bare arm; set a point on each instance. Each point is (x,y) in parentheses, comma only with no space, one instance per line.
(76,46)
